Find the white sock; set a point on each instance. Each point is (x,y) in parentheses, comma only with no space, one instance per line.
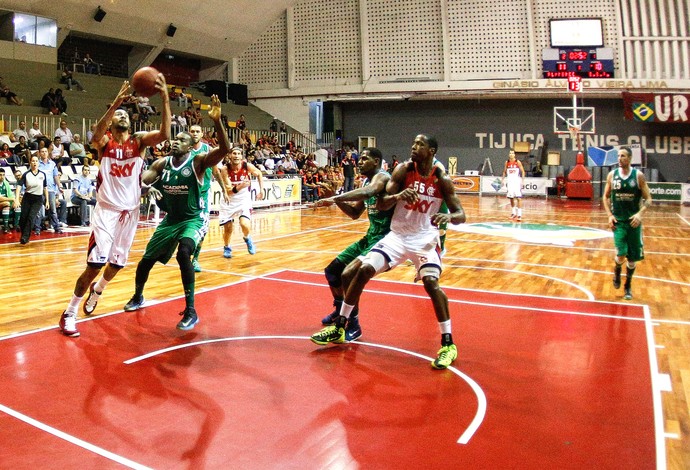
(346,310)
(73,305)
(519,212)
(100,286)
(444,326)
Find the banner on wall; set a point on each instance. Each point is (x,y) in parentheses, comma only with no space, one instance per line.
(666,191)
(657,107)
(608,155)
(467,184)
(532,187)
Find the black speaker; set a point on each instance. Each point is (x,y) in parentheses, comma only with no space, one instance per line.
(238,94)
(216,87)
(171,31)
(99,15)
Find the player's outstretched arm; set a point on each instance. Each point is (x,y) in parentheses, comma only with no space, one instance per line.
(216,155)
(396,190)
(153,138)
(99,138)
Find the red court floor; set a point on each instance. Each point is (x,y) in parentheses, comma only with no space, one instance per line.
(540,383)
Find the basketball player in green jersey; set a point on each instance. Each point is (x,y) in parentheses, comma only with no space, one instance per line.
(626,197)
(353,203)
(202,147)
(179,179)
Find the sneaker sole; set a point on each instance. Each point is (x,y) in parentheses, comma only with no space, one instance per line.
(134,308)
(324,343)
(91,292)
(72,334)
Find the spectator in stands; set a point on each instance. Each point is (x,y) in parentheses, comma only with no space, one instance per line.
(6,93)
(198,118)
(48,102)
(90,66)
(5,154)
(162,149)
(283,127)
(77,150)
(35,135)
(310,186)
(82,195)
(348,166)
(60,103)
(269,162)
(273,127)
(89,135)
(210,137)
(20,131)
(22,151)
(182,98)
(290,165)
(68,79)
(64,133)
(144,106)
(182,122)
(241,124)
(57,153)
(6,202)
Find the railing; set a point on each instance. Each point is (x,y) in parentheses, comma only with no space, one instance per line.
(48,124)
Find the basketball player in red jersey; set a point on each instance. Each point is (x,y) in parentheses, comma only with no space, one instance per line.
(115,216)
(417,189)
(514,173)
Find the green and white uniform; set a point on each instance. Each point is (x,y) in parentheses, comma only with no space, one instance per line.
(206,187)
(379,226)
(626,196)
(185,207)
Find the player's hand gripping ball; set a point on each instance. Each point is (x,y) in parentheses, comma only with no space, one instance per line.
(144,81)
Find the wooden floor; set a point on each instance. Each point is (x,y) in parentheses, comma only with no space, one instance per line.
(38,278)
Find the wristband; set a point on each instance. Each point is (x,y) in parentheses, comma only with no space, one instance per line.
(234,189)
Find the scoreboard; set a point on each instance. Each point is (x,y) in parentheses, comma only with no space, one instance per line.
(579,62)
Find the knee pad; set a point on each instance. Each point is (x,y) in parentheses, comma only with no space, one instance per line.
(334,272)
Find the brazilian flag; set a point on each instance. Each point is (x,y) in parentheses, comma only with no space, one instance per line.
(643,111)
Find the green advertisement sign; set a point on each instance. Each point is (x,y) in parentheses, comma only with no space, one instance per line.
(666,191)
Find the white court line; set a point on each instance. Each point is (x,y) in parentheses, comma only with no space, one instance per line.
(73,440)
(589,294)
(463,439)
(682,218)
(656,393)
(151,302)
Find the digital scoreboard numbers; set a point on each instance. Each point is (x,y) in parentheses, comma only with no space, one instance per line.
(581,62)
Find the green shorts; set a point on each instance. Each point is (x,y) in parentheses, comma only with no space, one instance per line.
(358,248)
(167,236)
(628,241)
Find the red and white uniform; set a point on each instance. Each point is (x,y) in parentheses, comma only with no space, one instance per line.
(119,178)
(513,179)
(115,217)
(240,204)
(412,235)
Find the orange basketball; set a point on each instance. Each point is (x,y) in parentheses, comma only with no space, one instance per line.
(144,81)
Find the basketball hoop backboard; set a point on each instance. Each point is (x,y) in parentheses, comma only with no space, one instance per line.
(566,119)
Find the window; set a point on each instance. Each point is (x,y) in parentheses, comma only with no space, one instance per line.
(29,29)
